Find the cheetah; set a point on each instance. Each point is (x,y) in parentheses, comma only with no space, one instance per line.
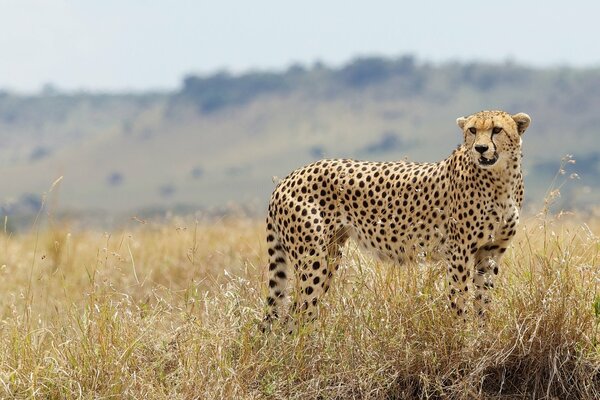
(463,211)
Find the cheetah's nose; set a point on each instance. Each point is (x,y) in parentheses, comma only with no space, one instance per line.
(481,148)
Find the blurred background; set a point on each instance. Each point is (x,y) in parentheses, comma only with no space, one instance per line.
(192,107)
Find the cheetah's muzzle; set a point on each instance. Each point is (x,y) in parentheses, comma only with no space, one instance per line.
(488,161)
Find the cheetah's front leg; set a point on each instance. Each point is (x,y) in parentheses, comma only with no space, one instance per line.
(487,261)
(457,276)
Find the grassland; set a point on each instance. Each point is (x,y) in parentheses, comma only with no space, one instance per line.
(170,310)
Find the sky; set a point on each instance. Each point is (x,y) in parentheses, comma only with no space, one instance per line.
(135,45)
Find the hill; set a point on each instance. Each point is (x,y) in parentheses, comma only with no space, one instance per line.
(218,140)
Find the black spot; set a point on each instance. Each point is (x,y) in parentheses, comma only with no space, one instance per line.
(280,274)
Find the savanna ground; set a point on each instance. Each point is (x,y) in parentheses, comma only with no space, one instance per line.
(171,310)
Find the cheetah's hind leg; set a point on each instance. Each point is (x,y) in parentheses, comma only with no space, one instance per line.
(315,273)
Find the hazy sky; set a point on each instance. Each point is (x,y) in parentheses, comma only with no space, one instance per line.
(144,44)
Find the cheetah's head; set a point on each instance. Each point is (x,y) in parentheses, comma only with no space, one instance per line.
(493,137)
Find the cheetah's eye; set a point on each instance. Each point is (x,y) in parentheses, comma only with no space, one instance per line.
(472,130)
(496,129)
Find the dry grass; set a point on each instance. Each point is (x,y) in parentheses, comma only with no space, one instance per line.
(171,310)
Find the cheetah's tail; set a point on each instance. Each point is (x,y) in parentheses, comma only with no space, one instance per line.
(278,276)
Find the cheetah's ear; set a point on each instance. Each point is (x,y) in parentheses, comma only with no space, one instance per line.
(522,121)
(460,121)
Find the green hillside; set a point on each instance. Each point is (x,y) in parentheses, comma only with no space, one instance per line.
(218,141)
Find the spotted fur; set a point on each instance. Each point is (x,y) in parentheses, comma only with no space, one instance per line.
(463,210)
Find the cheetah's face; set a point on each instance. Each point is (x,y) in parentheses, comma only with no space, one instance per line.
(493,137)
